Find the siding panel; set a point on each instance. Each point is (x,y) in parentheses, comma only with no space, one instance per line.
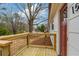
(73,32)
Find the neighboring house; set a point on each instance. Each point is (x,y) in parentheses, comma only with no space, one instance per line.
(65,18)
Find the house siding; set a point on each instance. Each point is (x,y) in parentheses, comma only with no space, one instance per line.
(56,29)
(73,32)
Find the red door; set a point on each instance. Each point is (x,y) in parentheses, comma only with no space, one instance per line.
(63,30)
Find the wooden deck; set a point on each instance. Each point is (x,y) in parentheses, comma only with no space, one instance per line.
(36,51)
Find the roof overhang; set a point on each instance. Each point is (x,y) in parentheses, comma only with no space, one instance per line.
(53,9)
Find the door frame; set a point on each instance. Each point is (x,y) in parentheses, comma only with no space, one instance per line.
(63,42)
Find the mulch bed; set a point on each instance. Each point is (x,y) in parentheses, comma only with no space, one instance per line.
(42,41)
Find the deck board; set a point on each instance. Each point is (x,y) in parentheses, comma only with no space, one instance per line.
(36,51)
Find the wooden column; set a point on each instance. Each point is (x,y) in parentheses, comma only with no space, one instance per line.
(63,30)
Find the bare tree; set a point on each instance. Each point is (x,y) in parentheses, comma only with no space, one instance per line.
(31,11)
(8,18)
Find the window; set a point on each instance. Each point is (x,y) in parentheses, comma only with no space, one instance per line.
(52,26)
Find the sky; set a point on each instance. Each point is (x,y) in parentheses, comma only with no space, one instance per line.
(9,6)
(43,13)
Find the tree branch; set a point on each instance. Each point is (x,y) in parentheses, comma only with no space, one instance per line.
(23,11)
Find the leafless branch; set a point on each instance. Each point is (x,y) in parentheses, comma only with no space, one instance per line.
(23,11)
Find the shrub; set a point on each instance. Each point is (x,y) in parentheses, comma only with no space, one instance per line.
(3,31)
(41,28)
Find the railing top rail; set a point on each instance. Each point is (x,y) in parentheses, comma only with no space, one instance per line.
(4,43)
(24,34)
(12,36)
(41,33)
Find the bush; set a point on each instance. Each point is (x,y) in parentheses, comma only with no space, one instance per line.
(41,28)
(3,31)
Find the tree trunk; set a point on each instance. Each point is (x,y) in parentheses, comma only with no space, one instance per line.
(13,28)
(30,25)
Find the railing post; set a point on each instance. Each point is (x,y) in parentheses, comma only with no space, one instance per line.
(54,40)
(6,51)
(27,40)
(5,48)
(45,38)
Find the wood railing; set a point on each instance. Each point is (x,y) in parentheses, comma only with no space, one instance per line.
(18,41)
(38,38)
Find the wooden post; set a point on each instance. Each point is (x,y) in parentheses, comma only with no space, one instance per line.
(45,39)
(27,40)
(6,51)
(5,47)
(54,40)
(0,51)
(9,50)
(45,36)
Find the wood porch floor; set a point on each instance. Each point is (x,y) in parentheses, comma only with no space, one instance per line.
(36,51)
